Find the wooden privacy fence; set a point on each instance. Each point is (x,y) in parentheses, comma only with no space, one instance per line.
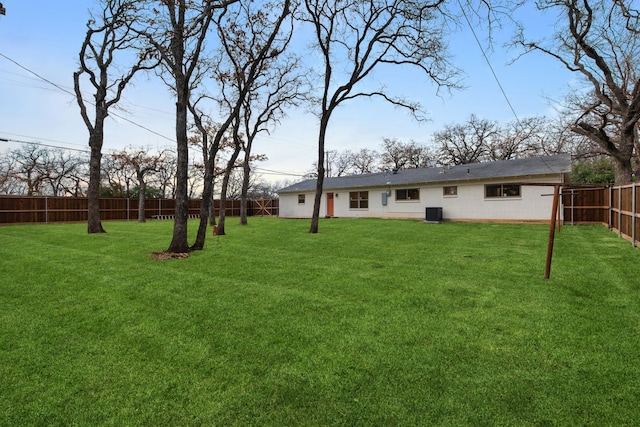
(617,207)
(45,209)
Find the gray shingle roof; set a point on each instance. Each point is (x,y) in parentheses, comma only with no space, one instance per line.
(475,171)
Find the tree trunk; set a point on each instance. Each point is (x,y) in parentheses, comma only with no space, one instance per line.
(223,213)
(179,242)
(622,158)
(205,207)
(315,219)
(624,172)
(223,193)
(94,223)
(141,199)
(245,189)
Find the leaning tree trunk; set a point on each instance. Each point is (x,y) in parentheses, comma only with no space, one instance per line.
(205,207)
(94,223)
(223,193)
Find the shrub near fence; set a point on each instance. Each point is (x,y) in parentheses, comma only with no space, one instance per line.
(45,209)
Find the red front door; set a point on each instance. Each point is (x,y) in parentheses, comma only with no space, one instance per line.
(329,204)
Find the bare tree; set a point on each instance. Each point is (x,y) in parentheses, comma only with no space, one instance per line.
(364,161)
(165,176)
(519,138)
(107,36)
(277,87)
(359,37)
(142,163)
(252,35)
(232,163)
(32,169)
(118,178)
(28,168)
(419,156)
(396,155)
(599,41)
(468,142)
(176,30)
(8,182)
(62,172)
(341,163)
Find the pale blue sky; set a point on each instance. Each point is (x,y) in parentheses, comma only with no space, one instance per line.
(45,37)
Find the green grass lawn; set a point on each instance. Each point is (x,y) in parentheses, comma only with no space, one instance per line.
(368,323)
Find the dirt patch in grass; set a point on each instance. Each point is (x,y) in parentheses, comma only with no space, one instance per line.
(161,256)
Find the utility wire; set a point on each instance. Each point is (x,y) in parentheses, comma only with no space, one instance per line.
(57,86)
(62,89)
(266,171)
(486,58)
(42,144)
(272,172)
(495,76)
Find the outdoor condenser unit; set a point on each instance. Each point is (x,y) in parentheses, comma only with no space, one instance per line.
(433,214)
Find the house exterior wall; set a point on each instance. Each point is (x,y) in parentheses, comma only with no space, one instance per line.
(470,204)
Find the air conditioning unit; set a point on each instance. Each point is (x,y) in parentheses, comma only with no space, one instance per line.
(433,214)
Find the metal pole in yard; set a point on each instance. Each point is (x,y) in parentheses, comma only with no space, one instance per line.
(552,231)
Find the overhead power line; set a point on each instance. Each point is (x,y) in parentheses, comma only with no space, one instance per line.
(272,172)
(42,144)
(486,58)
(68,92)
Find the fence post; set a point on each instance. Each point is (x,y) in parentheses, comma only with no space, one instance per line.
(610,207)
(46,210)
(633,215)
(620,211)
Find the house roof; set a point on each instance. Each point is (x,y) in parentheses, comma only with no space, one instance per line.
(474,171)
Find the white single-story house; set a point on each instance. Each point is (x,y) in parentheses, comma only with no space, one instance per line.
(503,191)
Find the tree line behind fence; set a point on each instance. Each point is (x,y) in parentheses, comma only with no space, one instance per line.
(46,209)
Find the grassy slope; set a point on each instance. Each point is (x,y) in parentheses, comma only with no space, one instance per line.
(370,322)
